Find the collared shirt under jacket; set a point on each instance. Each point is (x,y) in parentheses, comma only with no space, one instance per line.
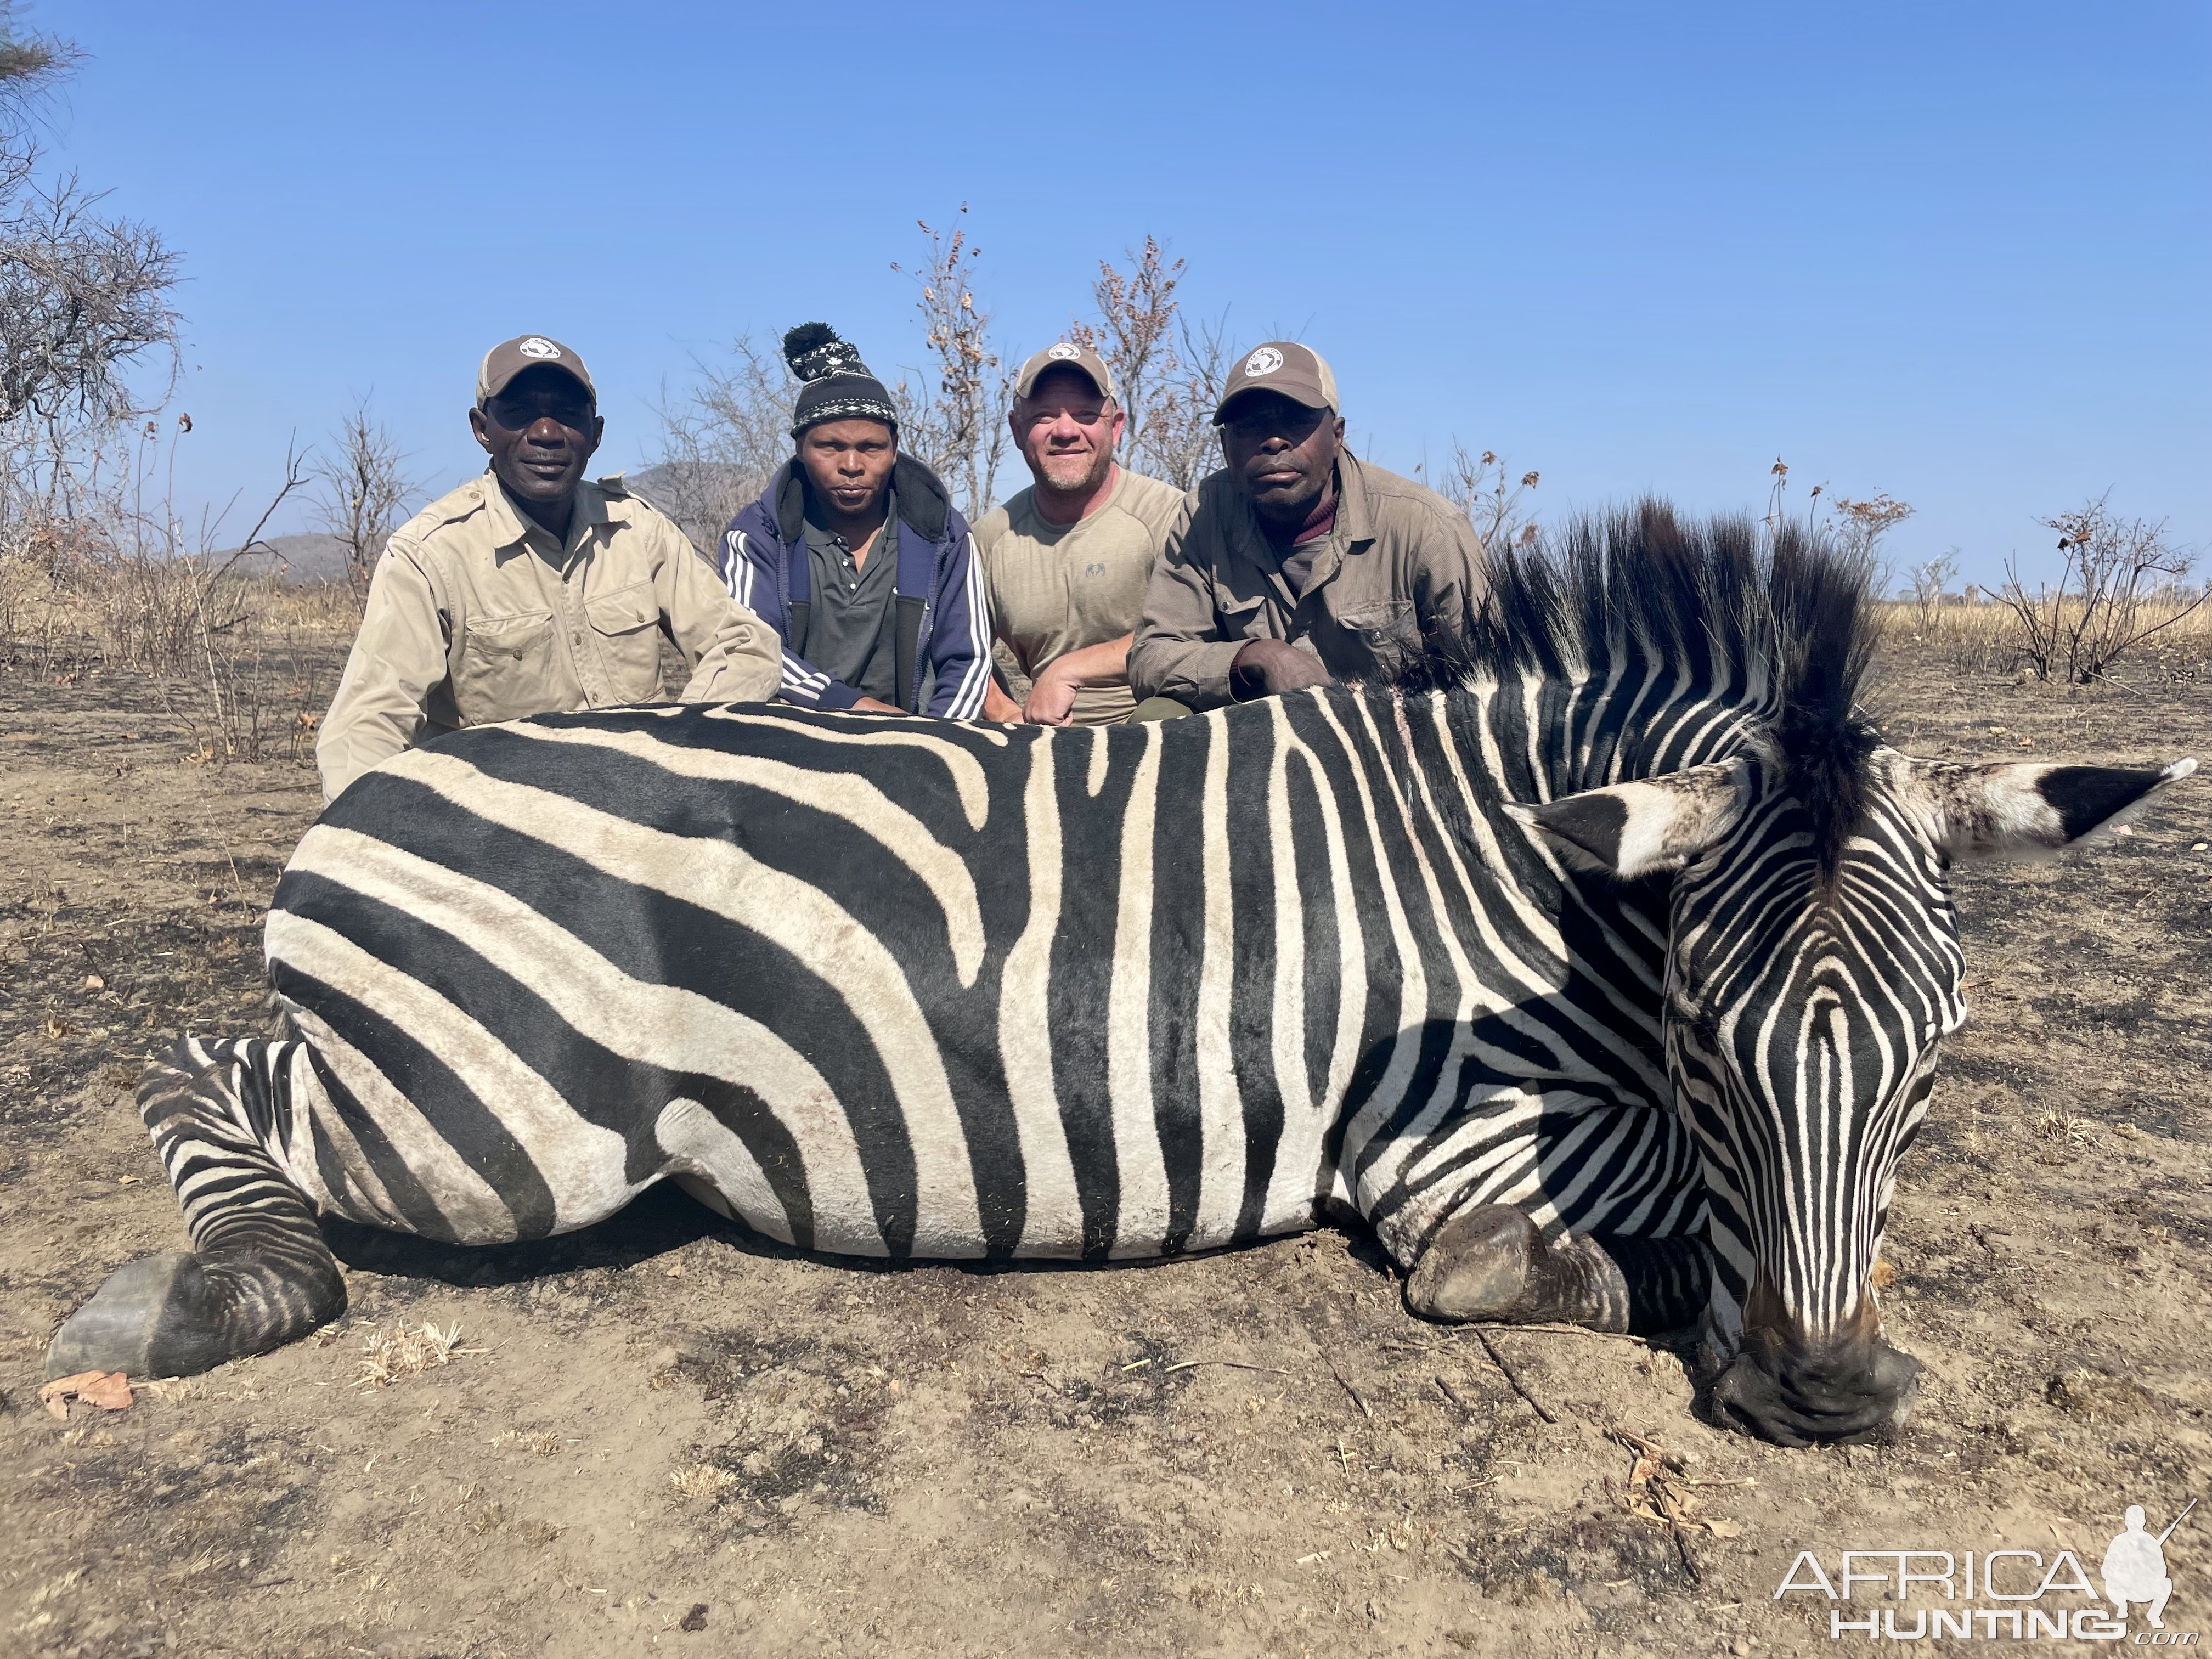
(941,641)
(476,614)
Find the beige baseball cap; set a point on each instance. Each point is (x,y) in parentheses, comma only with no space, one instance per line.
(1295,371)
(1065,354)
(503,363)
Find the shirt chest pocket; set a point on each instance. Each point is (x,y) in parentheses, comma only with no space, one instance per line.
(624,625)
(506,668)
(1245,616)
(1387,634)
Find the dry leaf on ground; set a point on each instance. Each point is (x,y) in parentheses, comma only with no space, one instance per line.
(109,1390)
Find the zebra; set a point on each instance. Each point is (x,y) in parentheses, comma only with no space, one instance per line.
(1600,965)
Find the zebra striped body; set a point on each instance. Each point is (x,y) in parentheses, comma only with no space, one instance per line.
(945,991)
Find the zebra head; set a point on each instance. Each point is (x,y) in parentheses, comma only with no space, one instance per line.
(1813,968)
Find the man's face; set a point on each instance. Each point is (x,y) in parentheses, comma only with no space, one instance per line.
(539,432)
(1279,452)
(1066,431)
(849,462)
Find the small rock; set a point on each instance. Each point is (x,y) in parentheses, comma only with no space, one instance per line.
(1740,1646)
(695,1619)
(2199,847)
(666,1359)
(94,982)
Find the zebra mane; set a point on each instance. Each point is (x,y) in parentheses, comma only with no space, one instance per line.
(1781,624)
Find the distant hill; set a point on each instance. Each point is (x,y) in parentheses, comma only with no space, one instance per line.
(308,556)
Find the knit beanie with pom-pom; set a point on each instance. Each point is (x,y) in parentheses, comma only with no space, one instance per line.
(837,385)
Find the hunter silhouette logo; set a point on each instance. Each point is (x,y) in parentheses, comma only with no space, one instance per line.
(2135,1568)
(1265,361)
(2016,1594)
(1063,352)
(534,346)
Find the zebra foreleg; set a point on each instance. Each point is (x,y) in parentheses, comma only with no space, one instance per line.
(1491,1263)
(258,1273)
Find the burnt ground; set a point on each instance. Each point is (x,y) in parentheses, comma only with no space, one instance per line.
(669,1436)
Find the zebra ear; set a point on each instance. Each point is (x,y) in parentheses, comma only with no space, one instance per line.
(1644,828)
(2012,807)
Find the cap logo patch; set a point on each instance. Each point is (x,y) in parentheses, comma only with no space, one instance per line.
(534,346)
(1265,361)
(1063,353)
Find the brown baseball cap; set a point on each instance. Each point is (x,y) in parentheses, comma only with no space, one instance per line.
(503,363)
(1295,371)
(1065,354)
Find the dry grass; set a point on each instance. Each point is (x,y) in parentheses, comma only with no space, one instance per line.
(702,1480)
(1983,638)
(2064,1129)
(389,1358)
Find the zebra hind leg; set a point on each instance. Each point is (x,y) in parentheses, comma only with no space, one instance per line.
(258,1273)
(1491,1263)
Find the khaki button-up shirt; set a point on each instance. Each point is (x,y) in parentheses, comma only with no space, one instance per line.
(476,614)
(1402,571)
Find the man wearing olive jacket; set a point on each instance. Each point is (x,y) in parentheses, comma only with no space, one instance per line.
(1296,563)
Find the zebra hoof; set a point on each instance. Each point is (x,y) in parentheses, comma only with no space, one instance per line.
(149,1318)
(1482,1264)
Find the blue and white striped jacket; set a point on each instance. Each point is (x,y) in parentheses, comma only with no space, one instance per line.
(942,622)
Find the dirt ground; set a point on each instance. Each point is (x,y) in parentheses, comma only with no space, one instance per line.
(667,1434)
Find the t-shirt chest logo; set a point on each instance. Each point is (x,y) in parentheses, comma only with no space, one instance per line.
(1094,569)
(1265,361)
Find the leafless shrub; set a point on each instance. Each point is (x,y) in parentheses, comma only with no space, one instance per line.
(361,489)
(953,419)
(719,447)
(1482,487)
(1927,583)
(2119,587)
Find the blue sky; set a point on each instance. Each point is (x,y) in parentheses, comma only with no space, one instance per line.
(1961,253)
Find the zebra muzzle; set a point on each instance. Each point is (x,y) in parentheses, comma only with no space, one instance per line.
(1852,1391)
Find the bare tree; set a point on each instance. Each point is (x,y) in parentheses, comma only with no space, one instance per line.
(1180,438)
(84,299)
(1927,582)
(719,447)
(1861,526)
(361,487)
(1478,486)
(2108,599)
(954,421)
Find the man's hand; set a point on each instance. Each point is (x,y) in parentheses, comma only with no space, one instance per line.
(1052,698)
(876,706)
(998,706)
(1267,668)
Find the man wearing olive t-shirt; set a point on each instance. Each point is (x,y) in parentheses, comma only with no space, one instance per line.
(1066,563)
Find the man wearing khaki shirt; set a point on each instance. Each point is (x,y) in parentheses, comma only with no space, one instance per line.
(530,590)
(1297,563)
(1065,562)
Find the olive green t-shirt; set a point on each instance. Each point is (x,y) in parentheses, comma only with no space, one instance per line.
(1057,588)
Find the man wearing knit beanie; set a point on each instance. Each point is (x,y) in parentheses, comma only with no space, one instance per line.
(856,557)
